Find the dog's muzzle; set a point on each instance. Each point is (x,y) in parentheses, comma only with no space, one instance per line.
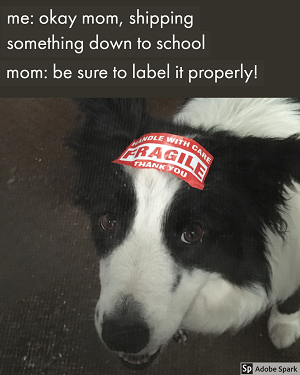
(126,332)
(123,335)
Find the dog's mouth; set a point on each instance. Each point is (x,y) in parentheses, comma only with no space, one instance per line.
(138,361)
(143,361)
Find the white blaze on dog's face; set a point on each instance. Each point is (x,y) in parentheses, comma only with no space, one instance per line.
(143,268)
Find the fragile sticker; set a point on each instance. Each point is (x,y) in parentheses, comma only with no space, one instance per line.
(181,156)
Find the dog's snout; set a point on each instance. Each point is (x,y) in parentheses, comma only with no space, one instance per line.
(123,336)
(125,330)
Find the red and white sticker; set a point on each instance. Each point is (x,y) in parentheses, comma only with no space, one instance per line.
(181,156)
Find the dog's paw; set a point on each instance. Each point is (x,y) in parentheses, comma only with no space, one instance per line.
(284,329)
(180,336)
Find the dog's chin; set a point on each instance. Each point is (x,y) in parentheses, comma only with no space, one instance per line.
(138,361)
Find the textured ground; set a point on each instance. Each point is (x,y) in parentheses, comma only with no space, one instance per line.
(49,269)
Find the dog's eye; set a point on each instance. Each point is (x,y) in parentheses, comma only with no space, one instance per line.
(193,234)
(108,222)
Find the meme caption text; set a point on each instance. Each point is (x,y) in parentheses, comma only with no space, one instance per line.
(115,46)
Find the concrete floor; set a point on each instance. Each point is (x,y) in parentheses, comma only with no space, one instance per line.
(49,269)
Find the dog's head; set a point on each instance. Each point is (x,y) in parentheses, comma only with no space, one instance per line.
(163,244)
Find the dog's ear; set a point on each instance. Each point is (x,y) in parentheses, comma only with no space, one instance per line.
(273,165)
(106,128)
(262,168)
(274,160)
(111,117)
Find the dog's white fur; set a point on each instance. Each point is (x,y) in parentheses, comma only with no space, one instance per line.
(261,117)
(203,301)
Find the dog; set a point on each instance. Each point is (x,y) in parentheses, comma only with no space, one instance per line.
(206,255)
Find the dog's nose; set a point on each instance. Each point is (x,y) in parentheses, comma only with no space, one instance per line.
(125,330)
(125,336)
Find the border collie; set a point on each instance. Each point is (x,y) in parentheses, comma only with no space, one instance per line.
(176,257)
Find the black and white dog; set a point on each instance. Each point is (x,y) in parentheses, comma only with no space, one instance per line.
(174,257)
